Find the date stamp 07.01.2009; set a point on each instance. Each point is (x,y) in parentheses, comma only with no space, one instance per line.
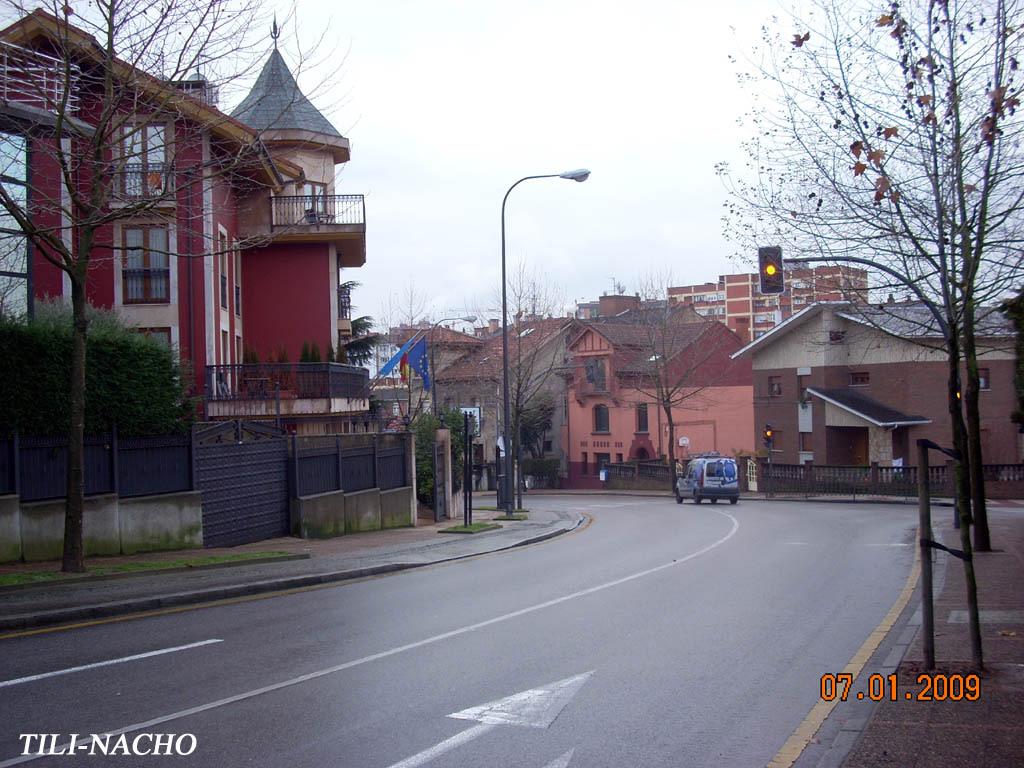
(935,687)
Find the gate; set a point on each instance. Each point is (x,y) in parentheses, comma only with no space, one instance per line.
(242,471)
(751,475)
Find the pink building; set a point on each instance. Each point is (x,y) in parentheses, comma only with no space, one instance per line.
(611,408)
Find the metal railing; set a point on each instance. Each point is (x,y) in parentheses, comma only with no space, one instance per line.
(350,463)
(37,80)
(268,381)
(145,181)
(310,210)
(344,303)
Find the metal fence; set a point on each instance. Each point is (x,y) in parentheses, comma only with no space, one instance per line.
(35,468)
(653,470)
(874,480)
(306,210)
(270,381)
(350,463)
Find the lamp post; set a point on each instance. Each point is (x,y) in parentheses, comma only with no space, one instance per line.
(581,175)
(433,370)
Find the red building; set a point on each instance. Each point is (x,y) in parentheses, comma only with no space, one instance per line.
(226,236)
(612,411)
(736,300)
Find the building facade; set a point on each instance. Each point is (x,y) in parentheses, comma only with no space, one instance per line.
(612,412)
(736,300)
(226,237)
(847,385)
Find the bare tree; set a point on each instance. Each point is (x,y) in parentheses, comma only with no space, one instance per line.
(117,80)
(887,135)
(672,355)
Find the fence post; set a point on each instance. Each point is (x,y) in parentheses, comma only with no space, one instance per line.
(376,479)
(238,430)
(115,473)
(337,449)
(192,457)
(16,462)
(924,532)
(297,492)
(874,478)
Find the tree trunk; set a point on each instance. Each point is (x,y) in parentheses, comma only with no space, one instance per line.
(982,539)
(517,441)
(667,407)
(74,552)
(963,499)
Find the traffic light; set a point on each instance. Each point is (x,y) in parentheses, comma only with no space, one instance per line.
(769,436)
(770,269)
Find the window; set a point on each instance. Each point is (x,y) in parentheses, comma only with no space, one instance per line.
(595,374)
(860,378)
(602,460)
(146,270)
(223,261)
(600,418)
(144,151)
(584,464)
(836,337)
(225,350)
(984,382)
(14,263)
(238,279)
(776,441)
(641,417)
(774,386)
(618,458)
(162,335)
(547,446)
(804,439)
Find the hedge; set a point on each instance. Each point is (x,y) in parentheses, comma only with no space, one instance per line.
(131,381)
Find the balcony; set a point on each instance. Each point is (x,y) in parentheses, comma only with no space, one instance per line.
(145,181)
(344,311)
(340,219)
(37,81)
(267,390)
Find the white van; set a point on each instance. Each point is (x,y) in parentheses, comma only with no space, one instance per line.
(709,476)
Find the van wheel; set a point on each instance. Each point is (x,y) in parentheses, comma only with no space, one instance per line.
(714,500)
(696,499)
(679,499)
(733,500)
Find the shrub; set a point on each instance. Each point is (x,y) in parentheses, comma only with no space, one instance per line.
(424,427)
(131,380)
(550,469)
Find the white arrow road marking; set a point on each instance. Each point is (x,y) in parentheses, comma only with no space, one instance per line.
(535,708)
(563,761)
(122,660)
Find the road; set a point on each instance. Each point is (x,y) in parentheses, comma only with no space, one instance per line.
(658,635)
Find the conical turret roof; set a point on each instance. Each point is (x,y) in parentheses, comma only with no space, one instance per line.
(276,103)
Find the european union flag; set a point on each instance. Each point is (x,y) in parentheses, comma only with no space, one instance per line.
(419,362)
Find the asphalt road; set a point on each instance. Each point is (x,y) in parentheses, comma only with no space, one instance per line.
(659,635)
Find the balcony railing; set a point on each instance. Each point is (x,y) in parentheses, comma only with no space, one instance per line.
(287,381)
(344,303)
(37,80)
(310,210)
(145,181)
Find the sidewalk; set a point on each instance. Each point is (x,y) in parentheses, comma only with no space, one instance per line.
(987,732)
(312,561)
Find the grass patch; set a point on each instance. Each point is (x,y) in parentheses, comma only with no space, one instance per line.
(500,509)
(514,516)
(36,577)
(471,528)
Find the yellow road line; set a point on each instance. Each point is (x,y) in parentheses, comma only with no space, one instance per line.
(804,732)
(261,596)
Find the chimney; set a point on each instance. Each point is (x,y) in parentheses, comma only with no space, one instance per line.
(613,305)
(493,325)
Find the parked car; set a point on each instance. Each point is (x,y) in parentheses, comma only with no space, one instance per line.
(709,476)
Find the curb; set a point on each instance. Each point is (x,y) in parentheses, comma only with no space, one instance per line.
(151,572)
(106,610)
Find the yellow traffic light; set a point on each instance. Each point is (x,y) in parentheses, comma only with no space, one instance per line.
(770,270)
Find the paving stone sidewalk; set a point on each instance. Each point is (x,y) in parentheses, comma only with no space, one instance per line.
(329,560)
(984,733)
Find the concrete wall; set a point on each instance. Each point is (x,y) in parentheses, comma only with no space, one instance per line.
(320,516)
(335,513)
(362,511)
(398,508)
(165,522)
(112,526)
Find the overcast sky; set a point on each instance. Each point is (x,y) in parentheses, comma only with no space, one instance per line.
(447,103)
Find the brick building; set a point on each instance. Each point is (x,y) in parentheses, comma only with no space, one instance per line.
(736,299)
(853,385)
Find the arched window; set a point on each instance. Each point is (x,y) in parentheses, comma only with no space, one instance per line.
(601,418)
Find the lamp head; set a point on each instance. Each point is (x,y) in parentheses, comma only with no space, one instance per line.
(468,319)
(580,174)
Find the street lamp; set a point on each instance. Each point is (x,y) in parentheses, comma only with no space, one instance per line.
(433,370)
(580,174)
